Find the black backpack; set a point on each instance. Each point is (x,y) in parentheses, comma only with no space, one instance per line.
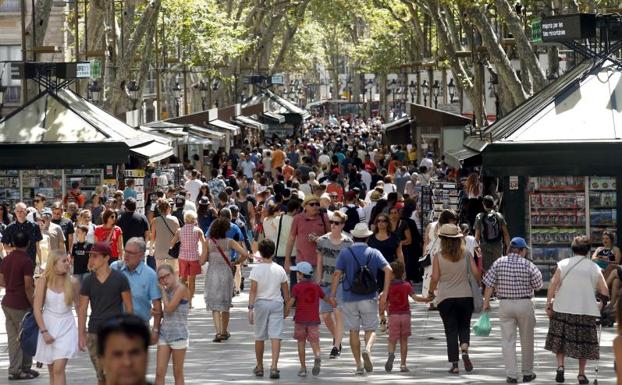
(364,281)
(492,227)
(353,218)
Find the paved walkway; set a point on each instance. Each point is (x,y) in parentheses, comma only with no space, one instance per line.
(233,360)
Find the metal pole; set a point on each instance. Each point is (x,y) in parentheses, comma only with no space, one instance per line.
(185,91)
(24,54)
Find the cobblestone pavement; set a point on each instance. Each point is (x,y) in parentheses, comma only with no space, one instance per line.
(232,361)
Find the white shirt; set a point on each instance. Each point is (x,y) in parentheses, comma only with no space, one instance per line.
(286,226)
(270,226)
(579,278)
(366,178)
(428,163)
(269,277)
(324,160)
(193,186)
(248,168)
(389,188)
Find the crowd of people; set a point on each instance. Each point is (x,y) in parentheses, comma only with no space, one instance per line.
(332,228)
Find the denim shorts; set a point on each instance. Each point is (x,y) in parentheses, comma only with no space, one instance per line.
(325,307)
(361,315)
(268,320)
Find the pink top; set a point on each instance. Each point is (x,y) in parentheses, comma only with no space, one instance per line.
(189,238)
(302,226)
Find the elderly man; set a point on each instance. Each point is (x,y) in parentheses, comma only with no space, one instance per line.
(515,278)
(21,224)
(143,281)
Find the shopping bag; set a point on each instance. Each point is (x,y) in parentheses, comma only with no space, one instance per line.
(482,327)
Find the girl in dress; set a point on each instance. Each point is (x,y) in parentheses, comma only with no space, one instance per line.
(56,291)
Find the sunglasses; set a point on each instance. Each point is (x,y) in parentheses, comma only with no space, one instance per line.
(161,277)
(312,204)
(37,200)
(382,221)
(336,223)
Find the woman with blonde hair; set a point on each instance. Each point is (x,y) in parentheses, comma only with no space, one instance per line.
(454,297)
(55,293)
(190,235)
(174,329)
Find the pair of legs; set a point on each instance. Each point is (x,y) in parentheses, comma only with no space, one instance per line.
(456,315)
(403,348)
(613,282)
(355,344)
(19,362)
(57,372)
(163,356)
(515,313)
(561,359)
(276,351)
(190,282)
(221,321)
(237,278)
(399,330)
(315,346)
(334,325)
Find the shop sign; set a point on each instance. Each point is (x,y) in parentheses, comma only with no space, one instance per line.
(568,27)
(513,183)
(134,173)
(536,31)
(96,69)
(83,70)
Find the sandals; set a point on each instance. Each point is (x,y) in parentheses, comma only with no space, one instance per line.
(225,336)
(21,376)
(404,369)
(275,373)
(302,372)
(468,365)
(218,338)
(258,371)
(559,374)
(453,370)
(582,379)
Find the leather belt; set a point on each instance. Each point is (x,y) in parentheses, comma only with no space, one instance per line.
(515,298)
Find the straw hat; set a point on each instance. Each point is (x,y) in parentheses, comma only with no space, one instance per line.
(450,230)
(361,230)
(310,198)
(375,196)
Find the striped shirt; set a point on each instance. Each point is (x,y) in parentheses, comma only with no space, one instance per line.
(514,277)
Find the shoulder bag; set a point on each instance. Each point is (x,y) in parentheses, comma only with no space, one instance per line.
(29,330)
(173,251)
(478,298)
(278,236)
(224,256)
(426,260)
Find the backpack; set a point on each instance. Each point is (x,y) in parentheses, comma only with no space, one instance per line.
(353,218)
(363,282)
(491,227)
(29,334)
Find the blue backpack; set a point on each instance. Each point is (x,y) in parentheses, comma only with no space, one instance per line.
(29,334)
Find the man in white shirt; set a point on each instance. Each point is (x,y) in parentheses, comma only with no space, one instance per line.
(365,178)
(324,159)
(248,167)
(193,186)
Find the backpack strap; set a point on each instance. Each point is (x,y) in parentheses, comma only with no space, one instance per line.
(278,236)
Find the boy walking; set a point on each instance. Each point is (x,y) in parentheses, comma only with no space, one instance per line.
(265,306)
(399,315)
(306,294)
(80,253)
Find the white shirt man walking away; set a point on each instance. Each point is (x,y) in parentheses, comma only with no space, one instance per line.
(515,278)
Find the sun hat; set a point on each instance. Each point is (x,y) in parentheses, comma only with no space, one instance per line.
(519,243)
(310,198)
(101,248)
(375,196)
(361,230)
(449,230)
(303,267)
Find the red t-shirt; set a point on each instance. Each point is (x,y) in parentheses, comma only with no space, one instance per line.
(14,268)
(307,294)
(302,226)
(399,291)
(102,234)
(335,188)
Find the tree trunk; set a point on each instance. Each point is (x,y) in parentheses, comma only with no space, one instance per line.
(42,11)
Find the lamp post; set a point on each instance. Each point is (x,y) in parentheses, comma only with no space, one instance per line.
(2,91)
(494,84)
(392,88)
(177,94)
(436,91)
(133,90)
(94,88)
(451,89)
(426,91)
(204,90)
(412,87)
(370,88)
(215,87)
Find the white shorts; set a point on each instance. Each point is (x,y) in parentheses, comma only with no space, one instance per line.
(178,344)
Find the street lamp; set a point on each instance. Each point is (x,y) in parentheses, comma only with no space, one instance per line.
(494,90)
(177,93)
(426,91)
(133,90)
(412,87)
(392,88)
(436,89)
(204,90)
(370,88)
(451,89)
(95,89)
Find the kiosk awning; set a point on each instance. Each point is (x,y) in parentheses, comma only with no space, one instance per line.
(152,151)
(249,122)
(273,116)
(206,132)
(461,157)
(224,126)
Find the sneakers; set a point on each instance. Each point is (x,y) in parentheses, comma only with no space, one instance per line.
(510,380)
(389,364)
(559,375)
(359,371)
(529,377)
(317,363)
(334,353)
(302,372)
(369,367)
(404,369)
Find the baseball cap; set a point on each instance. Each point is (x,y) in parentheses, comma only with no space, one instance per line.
(46,212)
(303,267)
(101,248)
(519,243)
(350,195)
(180,200)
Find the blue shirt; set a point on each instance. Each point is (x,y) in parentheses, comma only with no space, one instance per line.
(348,266)
(143,285)
(130,193)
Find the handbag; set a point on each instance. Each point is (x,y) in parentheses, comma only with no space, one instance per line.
(478,298)
(173,251)
(426,260)
(224,256)
(29,331)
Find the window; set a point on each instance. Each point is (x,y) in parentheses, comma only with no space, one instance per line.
(8,54)
(10,6)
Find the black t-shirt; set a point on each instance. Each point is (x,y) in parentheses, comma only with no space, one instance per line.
(132,224)
(105,298)
(33,231)
(179,214)
(67,226)
(80,255)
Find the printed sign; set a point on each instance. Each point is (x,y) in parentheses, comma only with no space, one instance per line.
(83,70)
(513,183)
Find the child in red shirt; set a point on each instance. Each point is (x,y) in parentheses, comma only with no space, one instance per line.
(306,294)
(399,315)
